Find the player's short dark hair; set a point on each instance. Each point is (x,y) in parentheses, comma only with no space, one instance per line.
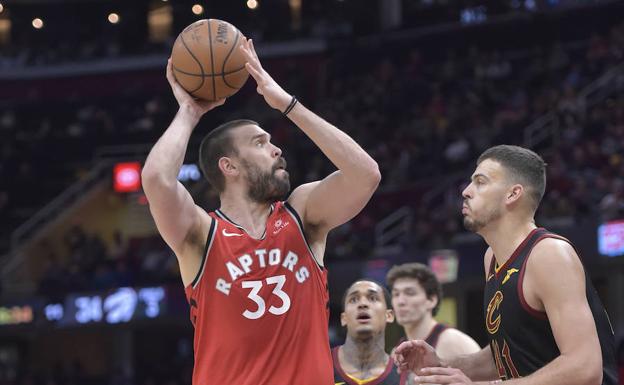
(215,145)
(524,167)
(423,275)
(384,290)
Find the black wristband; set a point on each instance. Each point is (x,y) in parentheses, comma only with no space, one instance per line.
(293,103)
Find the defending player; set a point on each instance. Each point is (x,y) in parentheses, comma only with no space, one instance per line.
(545,322)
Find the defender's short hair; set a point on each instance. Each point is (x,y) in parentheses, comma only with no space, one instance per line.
(524,167)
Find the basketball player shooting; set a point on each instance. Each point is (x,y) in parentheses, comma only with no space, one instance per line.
(253,269)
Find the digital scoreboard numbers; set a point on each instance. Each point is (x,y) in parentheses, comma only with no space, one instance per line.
(119,306)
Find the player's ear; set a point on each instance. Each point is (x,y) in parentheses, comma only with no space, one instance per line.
(514,193)
(389,316)
(343,319)
(432,302)
(228,166)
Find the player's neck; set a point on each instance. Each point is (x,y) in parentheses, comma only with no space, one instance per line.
(505,236)
(364,355)
(250,215)
(420,330)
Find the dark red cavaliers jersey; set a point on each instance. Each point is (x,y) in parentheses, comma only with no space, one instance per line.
(521,339)
(260,306)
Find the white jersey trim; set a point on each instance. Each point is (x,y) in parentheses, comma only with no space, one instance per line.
(241,228)
(211,237)
(293,213)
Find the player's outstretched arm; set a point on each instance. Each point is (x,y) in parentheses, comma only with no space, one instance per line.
(177,217)
(340,196)
(418,356)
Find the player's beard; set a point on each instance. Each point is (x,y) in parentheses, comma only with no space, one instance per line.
(475,224)
(266,187)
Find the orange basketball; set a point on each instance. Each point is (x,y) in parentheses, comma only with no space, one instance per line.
(207,61)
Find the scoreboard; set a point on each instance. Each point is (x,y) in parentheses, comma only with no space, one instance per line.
(117,306)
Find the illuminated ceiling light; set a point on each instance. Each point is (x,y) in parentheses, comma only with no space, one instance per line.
(37,23)
(198,9)
(113,18)
(1,8)
(252,4)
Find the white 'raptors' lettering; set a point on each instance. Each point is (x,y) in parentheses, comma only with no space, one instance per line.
(290,261)
(302,274)
(274,257)
(245,262)
(260,259)
(223,286)
(234,270)
(260,253)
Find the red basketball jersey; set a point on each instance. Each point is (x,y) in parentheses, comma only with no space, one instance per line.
(260,306)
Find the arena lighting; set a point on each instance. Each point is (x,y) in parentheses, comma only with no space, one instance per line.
(37,23)
(113,18)
(127,177)
(198,9)
(252,4)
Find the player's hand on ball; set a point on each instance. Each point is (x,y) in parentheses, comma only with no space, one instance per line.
(195,106)
(441,376)
(415,355)
(274,95)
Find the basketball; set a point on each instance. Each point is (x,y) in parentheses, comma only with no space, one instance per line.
(207,61)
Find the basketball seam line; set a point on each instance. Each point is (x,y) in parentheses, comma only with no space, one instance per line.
(214,84)
(198,63)
(208,75)
(226,59)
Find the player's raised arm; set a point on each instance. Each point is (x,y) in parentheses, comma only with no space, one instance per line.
(340,196)
(176,215)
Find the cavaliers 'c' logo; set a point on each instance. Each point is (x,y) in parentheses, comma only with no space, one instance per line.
(491,323)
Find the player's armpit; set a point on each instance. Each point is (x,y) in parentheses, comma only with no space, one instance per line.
(330,202)
(180,222)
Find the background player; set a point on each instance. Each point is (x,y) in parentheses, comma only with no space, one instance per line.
(545,322)
(416,297)
(253,270)
(362,359)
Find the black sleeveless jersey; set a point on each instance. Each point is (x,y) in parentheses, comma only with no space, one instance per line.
(432,338)
(434,334)
(521,339)
(388,377)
